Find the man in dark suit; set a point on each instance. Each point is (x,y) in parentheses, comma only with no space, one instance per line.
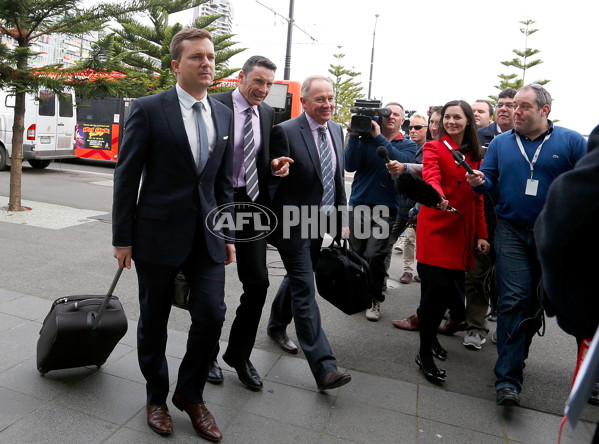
(257,169)
(178,143)
(316,182)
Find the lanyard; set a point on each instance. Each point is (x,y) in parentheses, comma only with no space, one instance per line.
(536,156)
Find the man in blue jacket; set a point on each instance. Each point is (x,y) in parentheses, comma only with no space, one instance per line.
(520,165)
(372,187)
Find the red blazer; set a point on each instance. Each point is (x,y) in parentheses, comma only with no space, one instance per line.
(440,234)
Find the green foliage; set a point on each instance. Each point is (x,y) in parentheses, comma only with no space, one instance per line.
(346,89)
(146,47)
(522,63)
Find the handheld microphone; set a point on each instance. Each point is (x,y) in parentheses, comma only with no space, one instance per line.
(382,152)
(419,190)
(459,158)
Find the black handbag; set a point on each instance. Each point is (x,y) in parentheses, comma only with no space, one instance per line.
(181,292)
(342,278)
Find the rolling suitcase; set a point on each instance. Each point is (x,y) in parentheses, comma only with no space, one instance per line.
(81,330)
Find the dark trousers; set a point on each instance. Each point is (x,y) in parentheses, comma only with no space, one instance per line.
(207,308)
(253,274)
(296,300)
(370,239)
(437,287)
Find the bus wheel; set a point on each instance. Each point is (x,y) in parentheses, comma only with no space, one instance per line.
(2,158)
(39,164)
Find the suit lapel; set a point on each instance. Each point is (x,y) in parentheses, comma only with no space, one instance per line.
(306,133)
(172,111)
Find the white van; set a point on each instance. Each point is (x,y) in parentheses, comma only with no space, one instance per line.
(49,127)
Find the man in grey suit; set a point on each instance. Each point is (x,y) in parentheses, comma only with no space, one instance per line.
(178,144)
(316,182)
(257,171)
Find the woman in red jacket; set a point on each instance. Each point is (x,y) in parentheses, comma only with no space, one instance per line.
(447,240)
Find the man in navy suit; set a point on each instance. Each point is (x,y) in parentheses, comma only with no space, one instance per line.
(178,143)
(315,182)
(257,170)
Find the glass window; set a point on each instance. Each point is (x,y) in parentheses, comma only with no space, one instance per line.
(65,105)
(47,103)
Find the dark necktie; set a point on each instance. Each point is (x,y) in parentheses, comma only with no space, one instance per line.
(202,136)
(249,158)
(326,167)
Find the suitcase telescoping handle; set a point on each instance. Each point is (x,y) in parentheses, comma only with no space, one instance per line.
(106,299)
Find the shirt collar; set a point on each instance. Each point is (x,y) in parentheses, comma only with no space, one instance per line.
(241,104)
(187,100)
(542,136)
(314,125)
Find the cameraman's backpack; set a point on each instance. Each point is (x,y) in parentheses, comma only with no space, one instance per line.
(342,278)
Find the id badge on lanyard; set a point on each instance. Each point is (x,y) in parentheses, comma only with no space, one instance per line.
(532,185)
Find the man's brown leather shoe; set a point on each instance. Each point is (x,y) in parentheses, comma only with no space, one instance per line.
(202,420)
(159,419)
(284,342)
(333,380)
(412,323)
(452,326)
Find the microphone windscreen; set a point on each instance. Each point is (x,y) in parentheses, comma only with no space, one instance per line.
(382,152)
(417,189)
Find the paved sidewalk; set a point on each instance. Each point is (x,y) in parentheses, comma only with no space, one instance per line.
(87,405)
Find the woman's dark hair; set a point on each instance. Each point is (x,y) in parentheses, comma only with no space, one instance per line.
(470,142)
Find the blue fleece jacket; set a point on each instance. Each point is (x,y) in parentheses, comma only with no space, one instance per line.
(372,184)
(506,171)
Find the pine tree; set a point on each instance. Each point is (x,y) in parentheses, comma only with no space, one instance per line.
(146,47)
(522,62)
(346,89)
(25,21)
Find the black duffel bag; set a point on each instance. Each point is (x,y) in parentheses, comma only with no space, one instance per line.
(342,278)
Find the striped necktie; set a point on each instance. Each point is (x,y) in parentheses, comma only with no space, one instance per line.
(326,168)
(203,137)
(249,158)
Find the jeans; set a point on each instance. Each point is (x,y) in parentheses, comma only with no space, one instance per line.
(518,275)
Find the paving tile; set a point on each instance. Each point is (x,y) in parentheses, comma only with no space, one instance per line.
(7,295)
(8,322)
(248,428)
(328,439)
(18,344)
(292,406)
(367,424)
(130,337)
(106,397)
(294,372)
(176,344)
(57,424)
(381,392)
(25,378)
(458,410)
(27,307)
(15,406)
(433,432)
(518,421)
(231,392)
(581,434)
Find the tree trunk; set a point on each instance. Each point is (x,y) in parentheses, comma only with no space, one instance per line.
(16,158)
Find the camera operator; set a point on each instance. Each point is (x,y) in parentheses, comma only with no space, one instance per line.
(373,186)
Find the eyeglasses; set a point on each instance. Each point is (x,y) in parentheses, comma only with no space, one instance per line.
(504,105)
(539,87)
(417,127)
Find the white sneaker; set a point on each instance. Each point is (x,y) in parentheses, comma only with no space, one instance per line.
(474,340)
(374,313)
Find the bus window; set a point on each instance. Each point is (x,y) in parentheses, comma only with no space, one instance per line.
(65,105)
(47,103)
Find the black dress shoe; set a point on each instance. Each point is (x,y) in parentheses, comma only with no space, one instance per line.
(284,342)
(215,373)
(433,374)
(333,380)
(439,352)
(247,374)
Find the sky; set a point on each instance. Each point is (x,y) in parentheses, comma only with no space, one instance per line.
(431,52)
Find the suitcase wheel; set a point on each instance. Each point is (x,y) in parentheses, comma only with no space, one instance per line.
(42,371)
